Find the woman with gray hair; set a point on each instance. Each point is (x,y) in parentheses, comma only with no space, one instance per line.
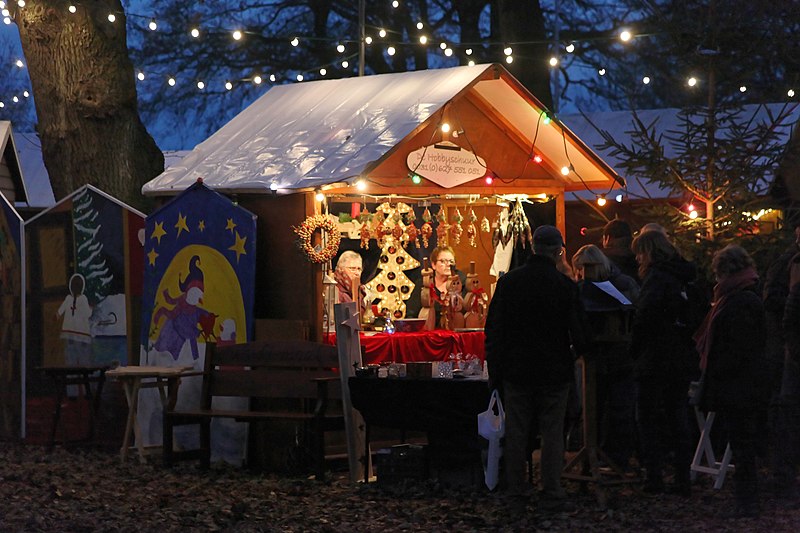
(348,271)
(731,347)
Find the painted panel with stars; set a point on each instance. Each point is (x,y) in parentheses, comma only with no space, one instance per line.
(199,274)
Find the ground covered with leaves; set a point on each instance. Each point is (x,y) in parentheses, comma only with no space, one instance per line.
(88,490)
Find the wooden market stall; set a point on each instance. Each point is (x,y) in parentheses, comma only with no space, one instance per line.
(463,137)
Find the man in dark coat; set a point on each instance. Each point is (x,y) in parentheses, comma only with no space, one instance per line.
(533,318)
(617,239)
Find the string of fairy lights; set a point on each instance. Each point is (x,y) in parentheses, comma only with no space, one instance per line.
(462,52)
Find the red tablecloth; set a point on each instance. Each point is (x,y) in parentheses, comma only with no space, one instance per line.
(434,345)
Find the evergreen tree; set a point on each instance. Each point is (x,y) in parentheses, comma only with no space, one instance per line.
(89,252)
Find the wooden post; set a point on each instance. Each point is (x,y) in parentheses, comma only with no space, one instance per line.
(348,342)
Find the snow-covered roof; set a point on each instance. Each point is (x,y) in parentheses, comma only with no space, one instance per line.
(620,125)
(35,180)
(316,133)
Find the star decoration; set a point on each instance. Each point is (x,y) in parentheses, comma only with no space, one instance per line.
(201,225)
(158,232)
(181,225)
(231,224)
(151,257)
(354,322)
(238,246)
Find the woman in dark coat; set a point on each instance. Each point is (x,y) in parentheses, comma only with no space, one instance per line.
(665,360)
(731,346)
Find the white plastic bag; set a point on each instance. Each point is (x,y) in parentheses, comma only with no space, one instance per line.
(492,427)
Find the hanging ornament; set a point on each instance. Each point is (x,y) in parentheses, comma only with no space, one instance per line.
(412,233)
(441,229)
(519,227)
(410,217)
(485,226)
(456,230)
(365,235)
(472,231)
(426,231)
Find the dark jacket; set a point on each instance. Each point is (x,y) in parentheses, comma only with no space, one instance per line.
(660,346)
(735,358)
(533,317)
(625,260)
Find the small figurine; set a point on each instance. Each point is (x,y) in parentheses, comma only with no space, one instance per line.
(476,302)
(453,313)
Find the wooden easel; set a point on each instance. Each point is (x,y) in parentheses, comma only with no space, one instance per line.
(589,456)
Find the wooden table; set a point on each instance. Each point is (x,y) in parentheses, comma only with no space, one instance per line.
(65,375)
(134,378)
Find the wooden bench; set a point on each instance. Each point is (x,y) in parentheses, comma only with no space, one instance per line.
(296,380)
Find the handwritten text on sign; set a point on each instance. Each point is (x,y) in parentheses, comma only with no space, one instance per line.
(446,164)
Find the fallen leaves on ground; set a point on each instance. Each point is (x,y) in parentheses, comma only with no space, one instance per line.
(84,490)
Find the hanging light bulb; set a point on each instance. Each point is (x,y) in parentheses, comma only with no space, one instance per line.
(420,25)
(201,85)
(602,72)
(489,179)
(228,85)
(743,89)
(570,48)
(171,82)
(546,118)
(361,185)
(323,72)
(509,59)
(693,215)
(112,17)
(257,79)
(195,33)
(272,78)
(691,82)
(445,127)
(26,94)
(468,51)
(15,99)
(423,39)
(295,41)
(345,64)
(72,9)
(153,26)
(21,3)
(19,63)
(442,46)
(300,77)
(448,52)
(537,159)
(625,36)
(237,35)
(2,105)
(508,50)
(646,80)
(382,33)
(368,39)
(415,179)
(340,48)
(618,198)
(553,61)
(319,196)
(395,4)
(140,75)
(565,170)
(790,93)
(601,200)
(273,186)
(391,51)
(471,63)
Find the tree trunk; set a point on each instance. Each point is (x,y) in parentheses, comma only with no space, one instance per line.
(85,93)
(523,21)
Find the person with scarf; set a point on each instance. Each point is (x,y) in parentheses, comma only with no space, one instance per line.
(731,343)
(348,270)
